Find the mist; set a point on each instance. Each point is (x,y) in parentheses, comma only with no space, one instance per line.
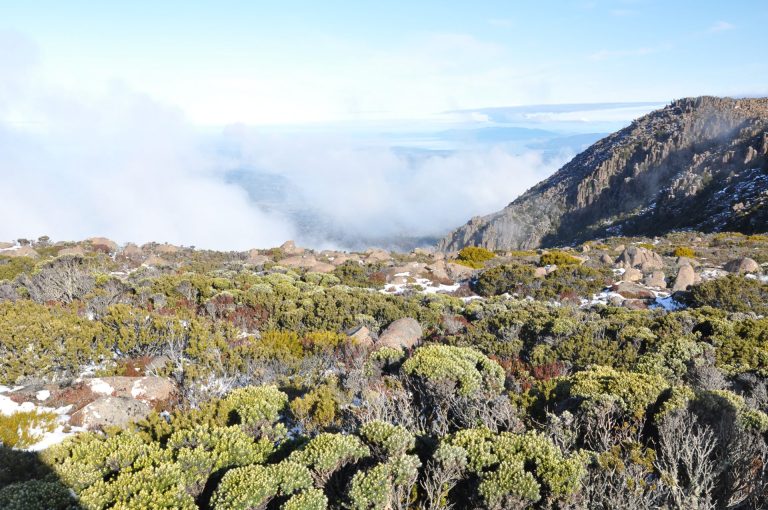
(118,163)
(353,194)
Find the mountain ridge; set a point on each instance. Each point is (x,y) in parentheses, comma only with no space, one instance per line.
(699,163)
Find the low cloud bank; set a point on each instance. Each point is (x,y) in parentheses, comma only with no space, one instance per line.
(356,193)
(120,164)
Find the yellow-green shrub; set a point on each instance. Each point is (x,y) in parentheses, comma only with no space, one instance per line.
(474,256)
(23,428)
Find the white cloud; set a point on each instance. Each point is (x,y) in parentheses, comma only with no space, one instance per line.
(366,191)
(721,26)
(609,54)
(119,165)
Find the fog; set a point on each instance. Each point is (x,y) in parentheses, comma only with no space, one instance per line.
(119,164)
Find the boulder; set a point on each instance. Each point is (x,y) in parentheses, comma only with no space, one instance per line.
(742,265)
(110,411)
(404,333)
(131,250)
(606,259)
(632,275)
(438,271)
(426,252)
(540,272)
(338,260)
(686,277)
(103,244)
(157,363)
(257,259)
(413,269)
(635,304)
(629,290)
(156,261)
(322,267)
(20,251)
(682,261)
(299,261)
(377,255)
(459,272)
(167,248)
(290,248)
(74,251)
(643,258)
(156,391)
(361,335)
(656,279)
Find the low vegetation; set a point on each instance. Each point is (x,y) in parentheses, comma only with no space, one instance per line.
(524,398)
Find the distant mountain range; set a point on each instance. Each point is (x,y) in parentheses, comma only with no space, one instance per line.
(698,163)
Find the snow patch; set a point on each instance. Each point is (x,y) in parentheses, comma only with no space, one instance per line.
(100,386)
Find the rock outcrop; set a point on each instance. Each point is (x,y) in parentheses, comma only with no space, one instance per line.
(699,163)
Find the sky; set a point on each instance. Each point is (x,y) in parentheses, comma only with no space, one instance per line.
(306,61)
(236,124)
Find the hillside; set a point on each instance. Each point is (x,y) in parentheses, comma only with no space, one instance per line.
(699,163)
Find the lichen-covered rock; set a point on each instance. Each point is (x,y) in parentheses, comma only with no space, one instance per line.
(404,333)
(632,275)
(108,411)
(686,276)
(742,265)
(656,279)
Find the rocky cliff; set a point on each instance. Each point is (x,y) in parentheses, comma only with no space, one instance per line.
(699,163)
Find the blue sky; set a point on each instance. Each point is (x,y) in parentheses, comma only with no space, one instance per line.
(307,61)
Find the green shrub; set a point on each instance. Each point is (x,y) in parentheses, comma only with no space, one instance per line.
(508,278)
(327,453)
(318,409)
(37,495)
(518,466)
(467,369)
(474,256)
(732,293)
(683,251)
(11,267)
(632,392)
(41,341)
(311,499)
(385,485)
(558,258)
(24,428)
(387,439)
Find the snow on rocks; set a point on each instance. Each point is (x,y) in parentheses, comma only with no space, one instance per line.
(403,282)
